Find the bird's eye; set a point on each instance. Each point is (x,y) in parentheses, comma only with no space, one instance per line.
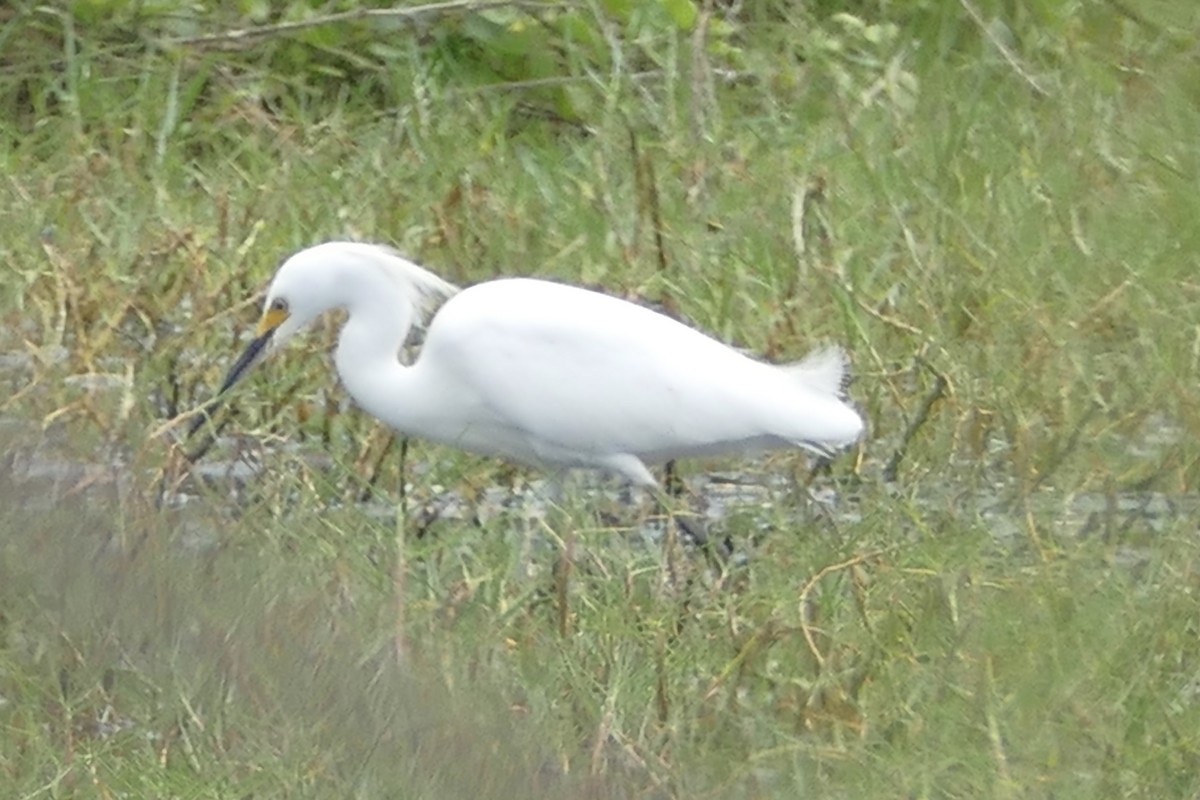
(279,304)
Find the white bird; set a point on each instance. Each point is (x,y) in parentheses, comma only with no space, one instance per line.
(546,374)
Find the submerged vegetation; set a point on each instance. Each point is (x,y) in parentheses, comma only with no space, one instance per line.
(992,205)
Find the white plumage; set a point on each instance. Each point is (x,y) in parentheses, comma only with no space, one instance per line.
(548,374)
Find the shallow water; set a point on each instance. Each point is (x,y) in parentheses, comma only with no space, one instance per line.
(40,474)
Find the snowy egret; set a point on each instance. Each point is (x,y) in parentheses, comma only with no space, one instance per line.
(547,374)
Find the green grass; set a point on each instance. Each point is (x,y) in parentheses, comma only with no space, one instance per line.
(997,621)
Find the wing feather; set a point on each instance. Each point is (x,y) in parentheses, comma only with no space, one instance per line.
(586,376)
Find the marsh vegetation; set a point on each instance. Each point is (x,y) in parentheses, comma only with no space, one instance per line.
(992,205)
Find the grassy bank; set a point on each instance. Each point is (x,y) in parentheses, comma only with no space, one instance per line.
(995,212)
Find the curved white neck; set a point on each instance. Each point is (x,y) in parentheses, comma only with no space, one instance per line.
(368,351)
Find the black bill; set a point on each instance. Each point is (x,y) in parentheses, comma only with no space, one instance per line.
(249,357)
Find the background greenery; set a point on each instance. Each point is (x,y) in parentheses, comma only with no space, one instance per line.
(993,204)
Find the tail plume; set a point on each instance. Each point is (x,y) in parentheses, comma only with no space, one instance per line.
(826,370)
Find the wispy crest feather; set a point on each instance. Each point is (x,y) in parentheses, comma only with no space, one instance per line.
(431,290)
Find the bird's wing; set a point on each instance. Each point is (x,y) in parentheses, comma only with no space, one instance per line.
(585,374)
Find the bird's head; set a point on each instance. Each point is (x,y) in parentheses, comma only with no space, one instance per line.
(305,286)
(322,278)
